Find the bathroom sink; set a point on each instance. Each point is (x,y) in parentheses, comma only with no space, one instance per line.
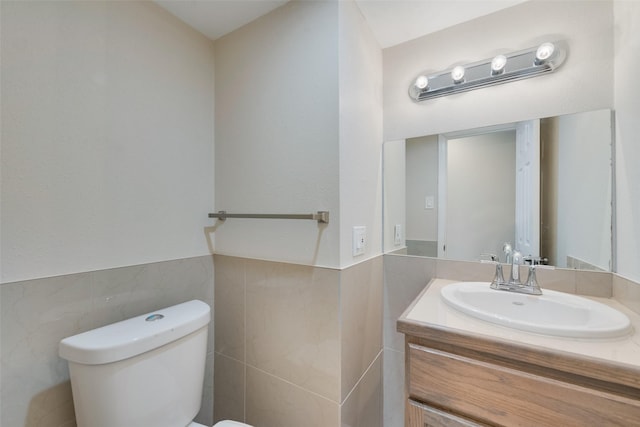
(553,313)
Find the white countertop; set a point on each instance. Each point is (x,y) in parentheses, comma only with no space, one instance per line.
(431,309)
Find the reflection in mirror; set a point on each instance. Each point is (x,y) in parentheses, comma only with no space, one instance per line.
(542,186)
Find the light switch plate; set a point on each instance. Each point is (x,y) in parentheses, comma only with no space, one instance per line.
(359,240)
(397,235)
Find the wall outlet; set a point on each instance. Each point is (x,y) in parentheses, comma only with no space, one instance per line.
(359,240)
(397,235)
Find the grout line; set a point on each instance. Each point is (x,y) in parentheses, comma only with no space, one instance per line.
(244,339)
(366,371)
(292,384)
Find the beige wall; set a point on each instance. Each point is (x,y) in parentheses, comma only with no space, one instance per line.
(107,137)
(277,135)
(293,90)
(360,65)
(107,147)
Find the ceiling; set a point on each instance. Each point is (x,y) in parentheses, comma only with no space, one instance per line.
(391,21)
(215,18)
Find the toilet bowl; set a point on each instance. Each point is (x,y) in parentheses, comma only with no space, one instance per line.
(144,371)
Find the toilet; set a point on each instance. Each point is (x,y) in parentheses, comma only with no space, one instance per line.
(147,371)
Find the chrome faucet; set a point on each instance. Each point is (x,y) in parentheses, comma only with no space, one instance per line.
(530,286)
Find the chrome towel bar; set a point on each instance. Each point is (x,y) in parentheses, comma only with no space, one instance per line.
(321,216)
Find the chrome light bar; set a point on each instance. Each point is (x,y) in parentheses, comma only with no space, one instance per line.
(504,68)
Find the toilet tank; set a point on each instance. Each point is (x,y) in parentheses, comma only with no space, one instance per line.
(144,371)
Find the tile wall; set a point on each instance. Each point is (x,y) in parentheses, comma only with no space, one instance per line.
(36,314)
(298,345)
(627,292)
(294,345)
(406,276)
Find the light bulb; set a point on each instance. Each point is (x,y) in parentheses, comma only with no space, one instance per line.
(422,82)
(544,52)
(498,63)
(457,74)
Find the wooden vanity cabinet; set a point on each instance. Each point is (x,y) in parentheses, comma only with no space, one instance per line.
(455,379)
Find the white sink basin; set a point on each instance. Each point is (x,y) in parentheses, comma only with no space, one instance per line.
(553,313)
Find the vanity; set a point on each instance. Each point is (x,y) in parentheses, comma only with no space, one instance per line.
(463,371)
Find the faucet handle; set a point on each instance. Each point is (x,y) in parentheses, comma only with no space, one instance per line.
(531,286)
(498,279)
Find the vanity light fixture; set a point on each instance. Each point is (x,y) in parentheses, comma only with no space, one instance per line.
(503,68)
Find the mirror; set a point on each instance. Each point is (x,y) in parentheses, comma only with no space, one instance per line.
(543,186)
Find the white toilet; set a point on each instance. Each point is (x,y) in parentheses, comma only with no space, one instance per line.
(146,371)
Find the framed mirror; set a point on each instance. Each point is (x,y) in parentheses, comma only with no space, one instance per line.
(543,187)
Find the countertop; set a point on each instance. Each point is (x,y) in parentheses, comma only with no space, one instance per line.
(430,311)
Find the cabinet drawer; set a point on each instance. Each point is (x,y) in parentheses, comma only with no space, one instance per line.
(419,415)
(498,395)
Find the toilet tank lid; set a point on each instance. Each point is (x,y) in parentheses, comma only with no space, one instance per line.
(135,336)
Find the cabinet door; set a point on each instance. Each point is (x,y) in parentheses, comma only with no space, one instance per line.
(419,415)
(506,397)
